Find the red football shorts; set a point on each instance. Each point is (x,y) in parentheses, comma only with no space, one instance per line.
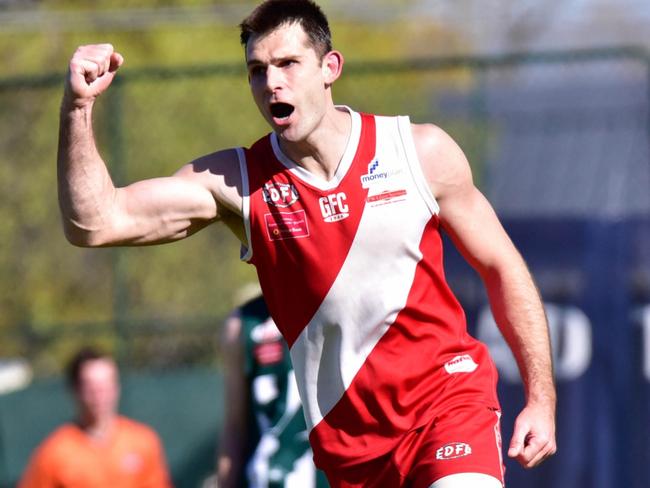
(464,439)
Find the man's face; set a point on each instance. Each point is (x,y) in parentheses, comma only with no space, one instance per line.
(98,391)
(287,79)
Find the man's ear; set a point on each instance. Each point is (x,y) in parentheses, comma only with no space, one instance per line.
(332,67)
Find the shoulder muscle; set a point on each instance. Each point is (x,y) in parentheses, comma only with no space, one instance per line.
(443,162)
(220,173)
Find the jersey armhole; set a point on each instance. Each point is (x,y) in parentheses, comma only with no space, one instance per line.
(246,252)
(406,136)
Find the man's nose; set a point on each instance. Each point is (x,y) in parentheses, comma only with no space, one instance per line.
(274,78)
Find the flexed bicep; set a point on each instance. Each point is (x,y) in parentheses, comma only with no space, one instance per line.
(97,213)
(167,209)
(159,210)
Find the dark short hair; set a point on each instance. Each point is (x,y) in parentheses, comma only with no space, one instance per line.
(84,355)
(272,14)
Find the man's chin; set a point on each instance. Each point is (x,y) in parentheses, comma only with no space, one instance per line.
(282,131)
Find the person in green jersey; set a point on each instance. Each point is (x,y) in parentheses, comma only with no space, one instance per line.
(264,441)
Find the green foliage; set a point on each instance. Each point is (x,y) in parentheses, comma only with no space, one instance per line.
(147,125)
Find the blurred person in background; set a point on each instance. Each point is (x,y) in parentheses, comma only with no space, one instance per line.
(100,448)
(264,441)
(341,213)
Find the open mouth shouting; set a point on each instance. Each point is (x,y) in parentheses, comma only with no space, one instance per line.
(281,111)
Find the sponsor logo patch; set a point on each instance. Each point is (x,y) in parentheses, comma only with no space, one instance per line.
(333,207)
(286,225)
(461,364)
(269,353)
(453,450)
(377,174)
(374,174)
(280,195)
(386,197)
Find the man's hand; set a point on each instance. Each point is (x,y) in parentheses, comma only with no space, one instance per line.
(92,69)
(533,439)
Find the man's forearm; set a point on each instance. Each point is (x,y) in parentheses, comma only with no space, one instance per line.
(84,184)
(519,312)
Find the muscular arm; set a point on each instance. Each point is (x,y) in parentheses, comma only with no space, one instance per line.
(94,211)
(474,228)
(234,434)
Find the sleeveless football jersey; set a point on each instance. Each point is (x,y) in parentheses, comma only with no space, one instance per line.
(351,270)
(267,367)
(281,456)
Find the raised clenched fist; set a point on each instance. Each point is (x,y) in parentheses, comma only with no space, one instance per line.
(91,71)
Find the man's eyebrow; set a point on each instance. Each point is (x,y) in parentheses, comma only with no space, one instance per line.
(253,62)
(279,59)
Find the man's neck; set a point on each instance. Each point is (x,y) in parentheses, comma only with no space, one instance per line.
(98,429)
(322,151)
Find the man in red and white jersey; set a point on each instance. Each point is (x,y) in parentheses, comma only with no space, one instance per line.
(341,214)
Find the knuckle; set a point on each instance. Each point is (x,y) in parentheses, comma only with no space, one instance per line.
(105,49)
